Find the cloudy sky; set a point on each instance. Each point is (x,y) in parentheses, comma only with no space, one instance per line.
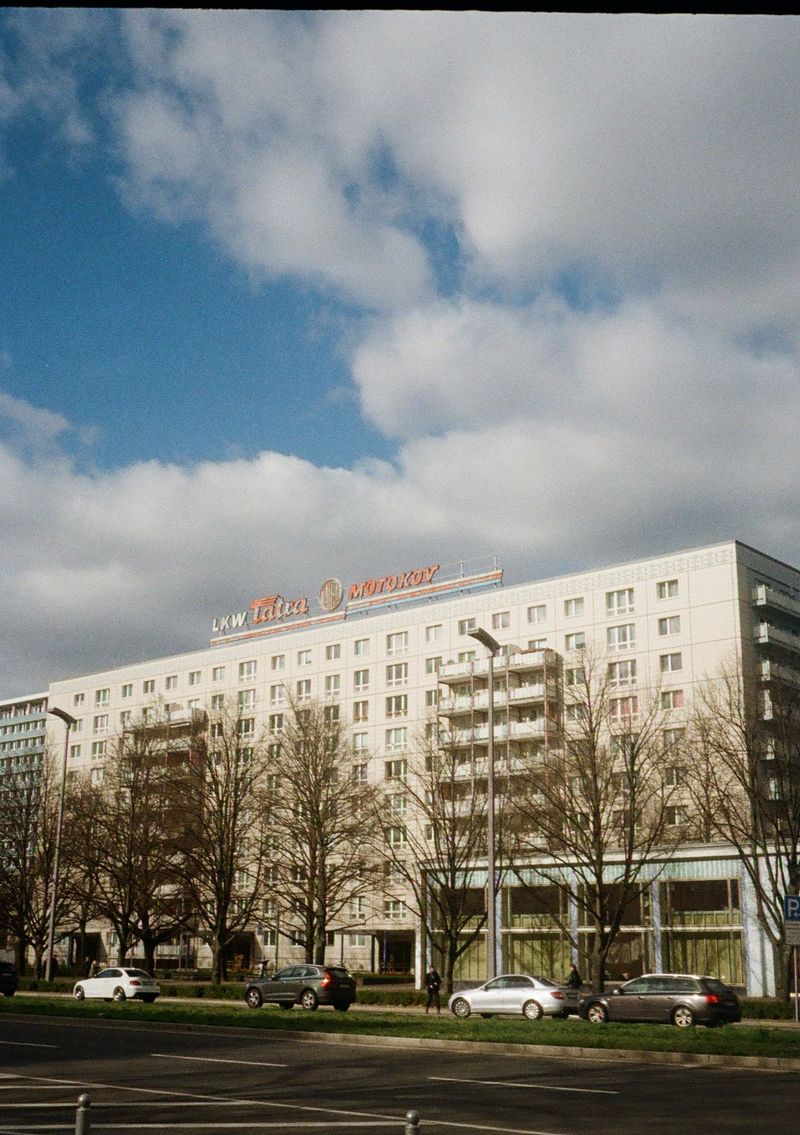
(298,294)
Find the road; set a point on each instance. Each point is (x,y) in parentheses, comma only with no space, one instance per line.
(179,1081)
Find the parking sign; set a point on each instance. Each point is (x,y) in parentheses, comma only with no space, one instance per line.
(791,919)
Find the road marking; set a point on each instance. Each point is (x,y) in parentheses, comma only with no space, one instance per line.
(534,1087)
(27,1044)
(190,1098)
(218,1060)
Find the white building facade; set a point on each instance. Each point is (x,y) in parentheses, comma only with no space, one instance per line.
(389,652)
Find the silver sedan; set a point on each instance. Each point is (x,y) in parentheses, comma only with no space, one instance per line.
(512,993)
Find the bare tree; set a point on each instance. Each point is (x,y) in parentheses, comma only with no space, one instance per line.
(748,743)
(320,817)
(433,822)
(225,855)
(132,856)
(28,823)
(593,812)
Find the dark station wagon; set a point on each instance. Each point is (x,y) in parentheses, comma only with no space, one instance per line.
(665,998)
(303,984)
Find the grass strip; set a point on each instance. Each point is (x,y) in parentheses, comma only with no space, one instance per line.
(755,1041)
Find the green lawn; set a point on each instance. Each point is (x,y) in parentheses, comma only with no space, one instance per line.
(752,1040)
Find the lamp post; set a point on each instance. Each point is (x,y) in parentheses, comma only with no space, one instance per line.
(69,721)
(493,646)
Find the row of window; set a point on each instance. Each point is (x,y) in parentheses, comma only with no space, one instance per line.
(618,602)
(621,637)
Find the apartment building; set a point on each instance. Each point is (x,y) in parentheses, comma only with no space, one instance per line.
(23,728)
(393,652)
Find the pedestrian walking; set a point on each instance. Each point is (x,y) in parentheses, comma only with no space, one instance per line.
(433,985)
(574,981)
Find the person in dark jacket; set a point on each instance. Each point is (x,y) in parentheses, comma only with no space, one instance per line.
(574,980)
(433,984)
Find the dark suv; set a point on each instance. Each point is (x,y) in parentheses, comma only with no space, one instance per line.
(304,985)
(663,998)
(8,979)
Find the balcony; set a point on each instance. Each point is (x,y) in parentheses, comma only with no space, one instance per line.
(517,663)
(766,634)
(769,598)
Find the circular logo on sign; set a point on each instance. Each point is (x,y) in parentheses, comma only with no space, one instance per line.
(331,594)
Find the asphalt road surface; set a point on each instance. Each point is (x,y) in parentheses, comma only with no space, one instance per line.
(178,1081)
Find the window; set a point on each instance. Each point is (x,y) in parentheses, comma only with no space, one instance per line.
(537,614)
(432,664)
(247,699)
(501,620)
(304,658)
(671,625)
(397,705)
(330,714)
(431,699)
(394,908)
(359,773)
(360,680)
(622,673)
(434,632)
(361,647)
(537,643)
(356,940)
(171,682)
(303,690)
(397,674)
(98,749)
(667,589)
(333,652)
(397,738)
(674,776)
(623,710)
(672,699)
(467,625)
(619,602)
(360,743)
(576,641)
(246,726)
(100,723)
(671,662)
(466,656)
(673,738)
(217,702)
(398,804)
(218,674)
(397,643)
(333,686)
(575,676)
(195,677)
(247,670)
(78,699)
(360,711)
(676,814)
(277,662)
(96,777)
(395,837)
(622,637)
(127,690)
(74,751)
(396,769)
(275,723)
(149,686)
(573,608)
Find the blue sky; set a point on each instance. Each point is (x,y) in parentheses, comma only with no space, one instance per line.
(299,294)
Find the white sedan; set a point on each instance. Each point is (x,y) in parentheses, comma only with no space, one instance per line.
(533,997)
(118,983)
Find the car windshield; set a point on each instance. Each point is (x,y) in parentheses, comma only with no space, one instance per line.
(546,982)
(714,985)
(338,971)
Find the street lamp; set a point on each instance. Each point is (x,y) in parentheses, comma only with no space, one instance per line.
(493,646)
(69,721)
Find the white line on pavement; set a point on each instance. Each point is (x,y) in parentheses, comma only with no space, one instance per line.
(217,1060)
(535,1087)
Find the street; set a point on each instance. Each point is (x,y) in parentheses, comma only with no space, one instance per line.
(178,1081)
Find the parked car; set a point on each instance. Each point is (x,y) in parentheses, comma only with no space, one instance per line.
(678,998)
(118,983)
(533,997)
(306,985)
(8,979)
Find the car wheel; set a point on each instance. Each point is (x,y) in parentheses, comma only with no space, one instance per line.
(341,1006)
(253,998)
(461,1008)
(532,1010)
(309,999)
(683,1017)
(119,994)
(597,1013)
(79,993)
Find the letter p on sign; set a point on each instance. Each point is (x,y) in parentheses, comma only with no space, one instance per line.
(791,908)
